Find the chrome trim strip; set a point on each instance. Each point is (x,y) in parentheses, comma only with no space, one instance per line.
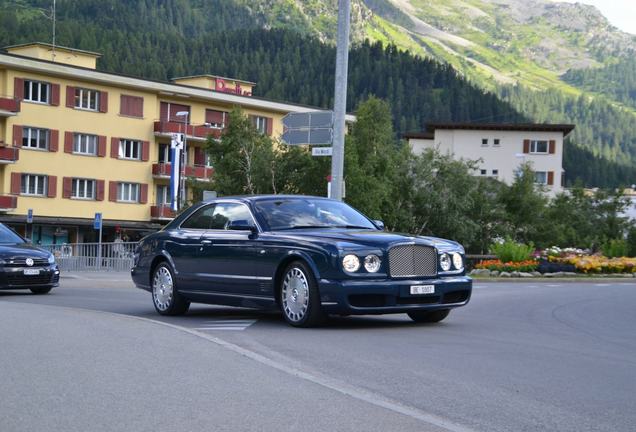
(226,276)
(328,303)
(216,293)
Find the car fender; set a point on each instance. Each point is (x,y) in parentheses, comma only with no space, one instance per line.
(300,254)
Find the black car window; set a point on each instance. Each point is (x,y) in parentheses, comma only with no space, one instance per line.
(200,219)
(224,213)
(7,236)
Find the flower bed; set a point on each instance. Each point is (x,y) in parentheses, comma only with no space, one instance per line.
(521,266)
(598,264)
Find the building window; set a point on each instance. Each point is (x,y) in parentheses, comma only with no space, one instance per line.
(208,160)
(483,172)
(484,141)
(36,91)
(35,138)
(215,119)
(128,192)
(86,99)
(165,155)
(541,177)
(163,195)
(538,146)
(85,144)
(495,172)
(496,142)
(33,184)
(260,123)
(83,189)
(132,106)
(130,149)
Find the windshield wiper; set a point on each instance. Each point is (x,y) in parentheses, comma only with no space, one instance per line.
(352,227)
(304,227)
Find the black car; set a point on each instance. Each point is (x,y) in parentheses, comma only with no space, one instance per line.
(308,256)
(24,266)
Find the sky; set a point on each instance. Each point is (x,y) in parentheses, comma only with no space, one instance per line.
(621,13)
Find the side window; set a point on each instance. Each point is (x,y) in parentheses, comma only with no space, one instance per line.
(224,213)
(201,219)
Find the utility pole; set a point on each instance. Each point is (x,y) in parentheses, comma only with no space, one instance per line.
(340,99)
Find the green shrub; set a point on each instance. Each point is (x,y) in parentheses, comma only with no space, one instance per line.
(631,242)
(510,251)
(615,248)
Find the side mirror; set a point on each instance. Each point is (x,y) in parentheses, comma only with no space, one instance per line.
(379,224)
(242,225)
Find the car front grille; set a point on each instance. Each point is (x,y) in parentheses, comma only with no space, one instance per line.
(18,279)
(21,262)
(412,261)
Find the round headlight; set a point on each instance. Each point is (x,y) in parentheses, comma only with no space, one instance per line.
(351,263)
(372,263)
(51,259)
(445,262)
(458,262)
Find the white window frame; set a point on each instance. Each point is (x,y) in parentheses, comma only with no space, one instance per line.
(163,195)
(496,142)
(260,123)
(495,173)
(37,180)
(86,99)
(541,173)
(535,143)
(128,192)
(39,134)
(83,189)
(483,172)
(484,142)
(82,144)
(29,85)
(130,149)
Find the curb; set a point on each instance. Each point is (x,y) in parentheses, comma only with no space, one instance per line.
(544,280)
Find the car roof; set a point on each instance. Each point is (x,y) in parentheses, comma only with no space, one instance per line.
(253,198)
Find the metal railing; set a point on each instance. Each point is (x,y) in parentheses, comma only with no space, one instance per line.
(78,257)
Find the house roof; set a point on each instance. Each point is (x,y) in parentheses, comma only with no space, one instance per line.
(419,135)
(529,127)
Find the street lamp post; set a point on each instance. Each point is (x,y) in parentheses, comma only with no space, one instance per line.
(183,197)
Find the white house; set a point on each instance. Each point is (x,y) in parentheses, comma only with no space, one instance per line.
(501,148)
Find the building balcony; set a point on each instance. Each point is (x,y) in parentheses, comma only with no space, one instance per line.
(9,106)
(8,155)
(161,212)
(197,133)
(164,170)
(8,202)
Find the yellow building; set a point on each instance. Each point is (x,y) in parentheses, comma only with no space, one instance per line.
(75,141)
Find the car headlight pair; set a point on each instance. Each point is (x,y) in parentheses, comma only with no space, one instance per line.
(446,261)
(351,263)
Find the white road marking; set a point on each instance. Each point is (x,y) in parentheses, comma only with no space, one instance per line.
(226,324)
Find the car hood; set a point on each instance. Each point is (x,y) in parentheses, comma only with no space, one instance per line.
(23,250)
(347,238)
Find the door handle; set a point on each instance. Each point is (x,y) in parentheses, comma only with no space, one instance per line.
(206,242)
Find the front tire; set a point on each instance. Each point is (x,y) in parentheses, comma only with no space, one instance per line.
(165,297)
(41,291)
(429,317)
(299,296)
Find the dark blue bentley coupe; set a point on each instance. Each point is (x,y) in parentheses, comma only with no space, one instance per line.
(308,256)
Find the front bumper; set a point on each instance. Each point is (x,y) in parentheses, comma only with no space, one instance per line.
(361,297)
(14,277)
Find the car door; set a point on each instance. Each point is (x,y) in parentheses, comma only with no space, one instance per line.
(227,256)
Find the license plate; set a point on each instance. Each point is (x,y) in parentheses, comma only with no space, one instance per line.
(31,272)
(422,289)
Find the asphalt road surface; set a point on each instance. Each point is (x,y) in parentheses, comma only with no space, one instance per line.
(93,355)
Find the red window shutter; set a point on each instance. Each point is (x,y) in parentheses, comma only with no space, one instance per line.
(145,150)
(114,147)
(68,142)
(213,116)
(67,187)
(103,101)
(133,106)
(54,140)
(199,156)
(112,191)
(16,183)
(52,187)
(174,109)
(17,136)
(552,146)
(124,105)
(18,88)
(550,178)
(526,146)
(143,193)
(138,107)
(70,97)
(163,115)
(99,190)
(269,126)
(55,94)
(101,146)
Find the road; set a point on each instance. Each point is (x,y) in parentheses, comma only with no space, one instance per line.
(93,355)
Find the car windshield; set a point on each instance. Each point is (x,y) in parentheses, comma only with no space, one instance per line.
(7,236)
(298,213)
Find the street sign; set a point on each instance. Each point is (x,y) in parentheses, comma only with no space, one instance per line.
(319,136)
(307,120)
(97,223)
(321,151)
(30,216)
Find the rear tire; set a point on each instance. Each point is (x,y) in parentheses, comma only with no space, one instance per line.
(428,317)
(299,296)
(41,291)
(165,297)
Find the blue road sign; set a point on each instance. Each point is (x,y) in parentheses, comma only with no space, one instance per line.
(97,223)
(30,216)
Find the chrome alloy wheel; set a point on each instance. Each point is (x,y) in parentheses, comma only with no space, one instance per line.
(162,288)
(295,294)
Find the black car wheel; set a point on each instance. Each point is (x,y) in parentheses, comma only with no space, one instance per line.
(429,317)
(165,297)
(299,296)
(41,290)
